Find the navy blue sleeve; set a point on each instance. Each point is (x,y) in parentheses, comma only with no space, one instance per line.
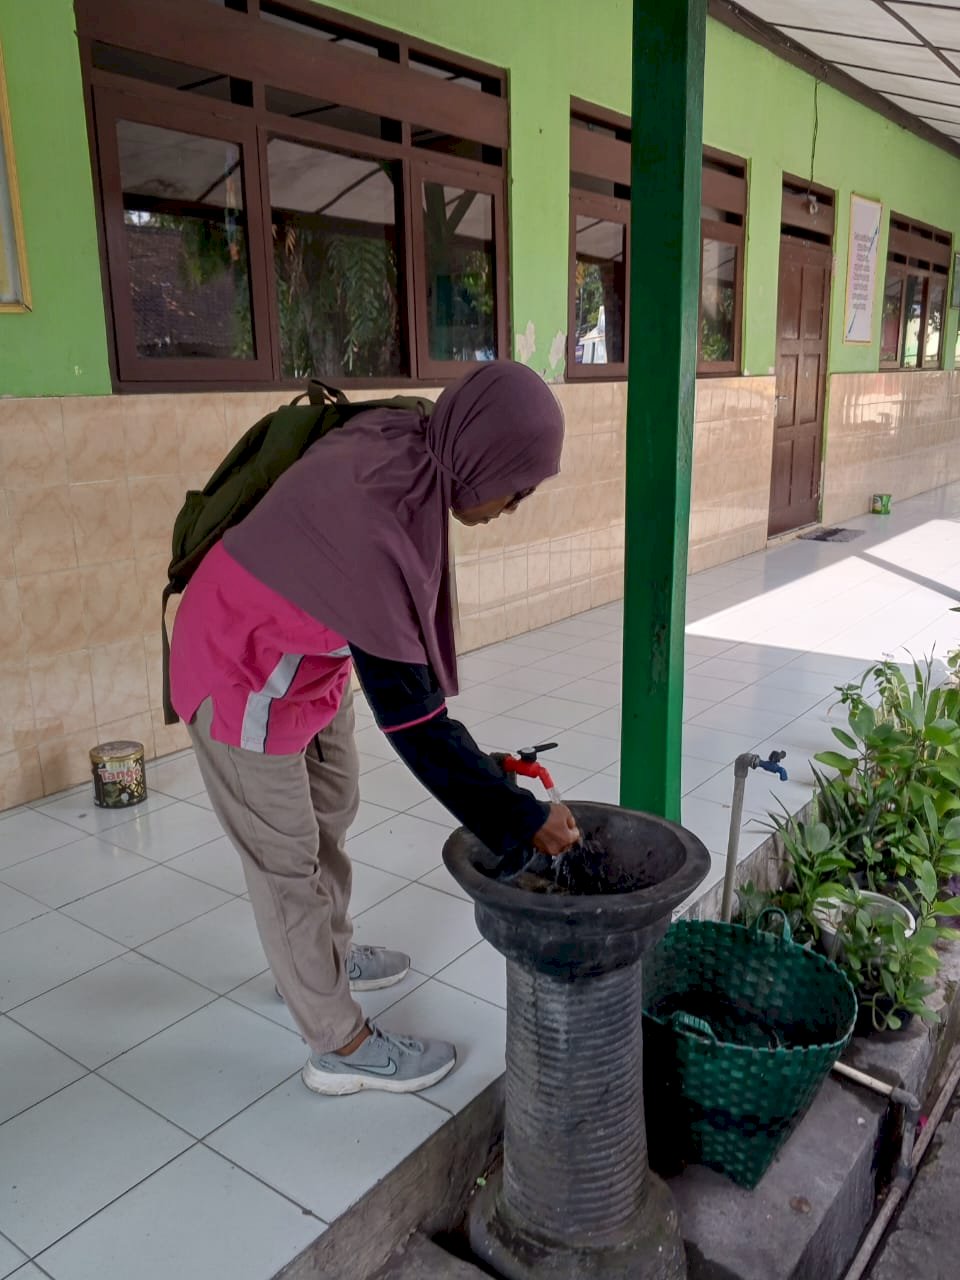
(408,705)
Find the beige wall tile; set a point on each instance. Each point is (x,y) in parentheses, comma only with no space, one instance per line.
(42,529)
(51,607)
(201,432)
(155,503)
(94,438)
(151,446)
(7,567)
(62,695)
(31,443)
(137,728)
(112,608)
(102,526)
(20,778)
(11,633)
(167,738)
(17,729)
(119,674)
(65,762)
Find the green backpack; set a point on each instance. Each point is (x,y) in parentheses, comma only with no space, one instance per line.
(254,463)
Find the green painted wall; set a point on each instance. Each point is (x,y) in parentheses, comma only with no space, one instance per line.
(60,347)
(755,106)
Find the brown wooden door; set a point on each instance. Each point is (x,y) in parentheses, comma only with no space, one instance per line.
(802,310)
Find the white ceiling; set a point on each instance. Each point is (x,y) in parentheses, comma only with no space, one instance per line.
(905,50)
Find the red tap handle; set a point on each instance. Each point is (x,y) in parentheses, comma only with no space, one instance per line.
(528,769)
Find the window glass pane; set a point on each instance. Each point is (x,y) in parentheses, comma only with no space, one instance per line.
(453,74)
(931,346)
(335,252)
(287,103)
(174,75)
(461,273)
(449,144)
(913,313)
(718,302)
(186,243)
(890,324)
(601,290)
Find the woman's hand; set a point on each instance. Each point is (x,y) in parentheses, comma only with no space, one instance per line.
(559,833)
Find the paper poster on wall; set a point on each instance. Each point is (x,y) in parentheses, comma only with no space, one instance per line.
(865,216)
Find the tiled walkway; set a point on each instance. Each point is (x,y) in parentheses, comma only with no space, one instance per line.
(152,1121)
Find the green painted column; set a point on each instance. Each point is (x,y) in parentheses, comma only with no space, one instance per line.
(668,57)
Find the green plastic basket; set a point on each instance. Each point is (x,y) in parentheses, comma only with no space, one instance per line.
(741,1029)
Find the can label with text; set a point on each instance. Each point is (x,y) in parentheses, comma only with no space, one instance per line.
(119,777)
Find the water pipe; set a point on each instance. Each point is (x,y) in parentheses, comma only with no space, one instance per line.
(526,764)
(908,1169)
(741,767)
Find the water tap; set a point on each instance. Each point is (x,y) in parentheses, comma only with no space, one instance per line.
(526,763)
(751,761)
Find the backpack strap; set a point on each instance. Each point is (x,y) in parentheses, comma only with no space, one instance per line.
(169,715)
(318,392)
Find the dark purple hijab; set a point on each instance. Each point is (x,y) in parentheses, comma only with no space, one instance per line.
(355,533)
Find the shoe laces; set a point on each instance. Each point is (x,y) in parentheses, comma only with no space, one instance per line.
(359,952)
(403,1044)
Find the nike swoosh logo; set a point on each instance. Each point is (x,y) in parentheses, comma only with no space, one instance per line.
(355,972)
(389,1070)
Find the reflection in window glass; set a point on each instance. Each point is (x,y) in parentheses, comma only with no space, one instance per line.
(718,302)
(913,314)
(186,243)
(601,289)
(318,111)
(335,254)
(460,269)
(934,334)
(891,320)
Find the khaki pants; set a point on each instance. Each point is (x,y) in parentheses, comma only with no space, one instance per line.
(287,817)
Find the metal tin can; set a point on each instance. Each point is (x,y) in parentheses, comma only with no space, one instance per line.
(119,777)
(880,504)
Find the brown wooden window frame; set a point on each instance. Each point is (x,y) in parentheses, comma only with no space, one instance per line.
(726,191)
(917,249)
(243,46)
(607,158)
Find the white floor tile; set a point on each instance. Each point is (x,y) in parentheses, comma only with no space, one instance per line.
(76,808)
(393,787)
(704,645)
(145,906)
(586,750)
(69,1156)
(32,1070)
(744,720)
(216,863)
(220,950)
(371,885)
(475,669)
(74,872)
(198,1217)
(27,833)
(375,1003)
(105,1012)
(373,742)
(168,832)
(403,845)
(369,815)
(575,664)
(604,725)
(17,908)
(477,1028)
(178,776)
(703,743)
(710,821)
(555,710)
(532,679)
(369,762)
(260,995)
(545,640)
(694,772)
(209,1066)
(39,955)
(481,972)
(710,688)
(596,693)
(601,787)
(325,1153)
(440,878)
(793,702)
(432,928)
(511,733)
(729,670)
(433,811)
(485,699)
(763,792)
(11,1258)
